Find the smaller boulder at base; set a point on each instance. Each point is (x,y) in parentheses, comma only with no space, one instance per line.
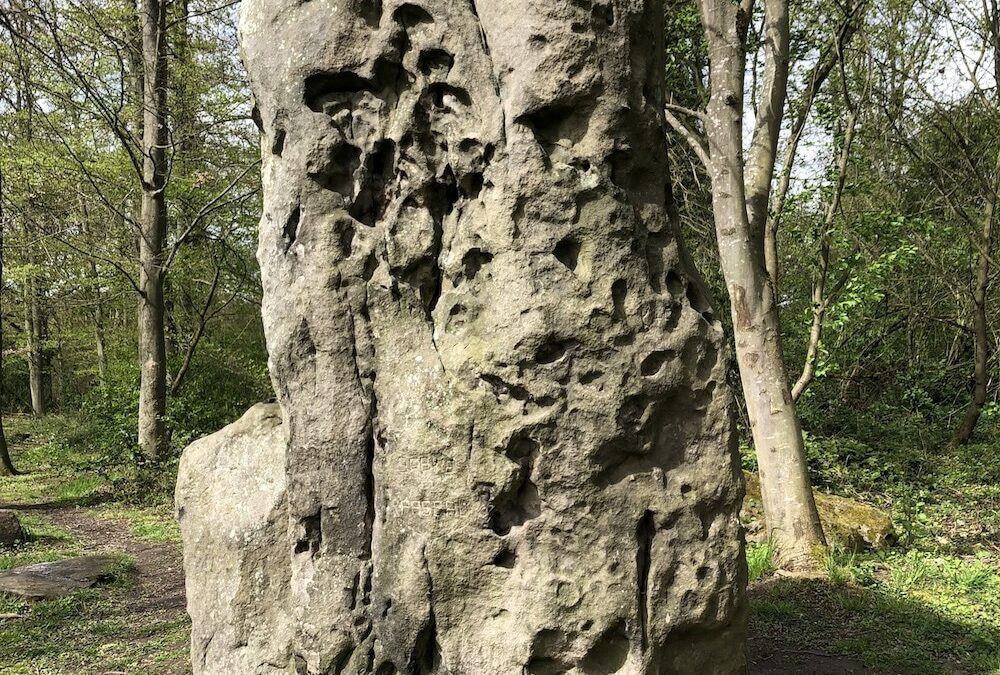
(11,531)
(846,522)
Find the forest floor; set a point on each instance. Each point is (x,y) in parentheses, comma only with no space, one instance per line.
(906,610)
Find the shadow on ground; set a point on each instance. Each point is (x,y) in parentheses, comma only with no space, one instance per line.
(810,627)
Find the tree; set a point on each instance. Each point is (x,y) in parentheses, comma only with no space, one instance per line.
(741,189)
(6,464)
(153,231)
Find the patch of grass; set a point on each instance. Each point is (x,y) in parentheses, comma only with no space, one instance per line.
(760,560)
(91,631)
(56,470)
(155,524)
(901,612)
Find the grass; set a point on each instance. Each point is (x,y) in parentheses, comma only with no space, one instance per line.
(155,524)
(98,630)
(57,471)
(90,631)
(900,611)
(928,606)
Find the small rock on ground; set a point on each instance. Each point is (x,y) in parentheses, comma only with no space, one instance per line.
(56,579)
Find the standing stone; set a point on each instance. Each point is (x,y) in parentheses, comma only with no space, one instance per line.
(510,447)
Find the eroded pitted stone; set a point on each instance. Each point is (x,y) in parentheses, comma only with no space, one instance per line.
(510,448)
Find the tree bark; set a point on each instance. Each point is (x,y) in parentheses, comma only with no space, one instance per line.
(981,284)
(36,324)
(7,467)
(789,506)
(817,76)
(152,232)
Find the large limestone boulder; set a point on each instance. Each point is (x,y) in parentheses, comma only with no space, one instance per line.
(230,501)
(509,440)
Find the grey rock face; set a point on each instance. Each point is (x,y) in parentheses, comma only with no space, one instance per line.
(230,500)
(509,440)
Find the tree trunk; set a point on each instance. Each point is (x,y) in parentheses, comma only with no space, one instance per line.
(981,329)
(827,60)
(980,291)
(789,507)
(152,233)
(509,442)
(100,340)
(820,299)
(36,333)
(6,464)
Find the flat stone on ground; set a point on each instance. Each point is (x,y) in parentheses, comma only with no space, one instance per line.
(56,579)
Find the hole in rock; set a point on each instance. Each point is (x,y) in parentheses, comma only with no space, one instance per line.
(520,503)
(675,283)
(603,15)
(652,364)
(506,558)
(435,60)
(410,15)
(473,261)
(312,528)
(290,231)
(619,290)
(645,530)
(472,184)
(338,175)
(346,239)
(500,387)
(370,204)
(278,144)
(444,96)
(609,653)
(322,88)
(552,351)
(567,252)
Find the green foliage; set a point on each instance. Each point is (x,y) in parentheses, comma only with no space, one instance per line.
(760,561)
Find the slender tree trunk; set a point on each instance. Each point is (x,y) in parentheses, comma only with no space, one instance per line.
(820,299)
(981,286)
(6,464)
(980,329)
(100,340)
(789,507)
(820,72)
(152,232)
(36,331)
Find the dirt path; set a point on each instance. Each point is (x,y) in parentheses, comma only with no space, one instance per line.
(159,578)
(152,607)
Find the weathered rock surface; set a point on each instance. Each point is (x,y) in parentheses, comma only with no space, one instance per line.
(509,438)
(57,579)
(230,501)
(11,531)
(846,522)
